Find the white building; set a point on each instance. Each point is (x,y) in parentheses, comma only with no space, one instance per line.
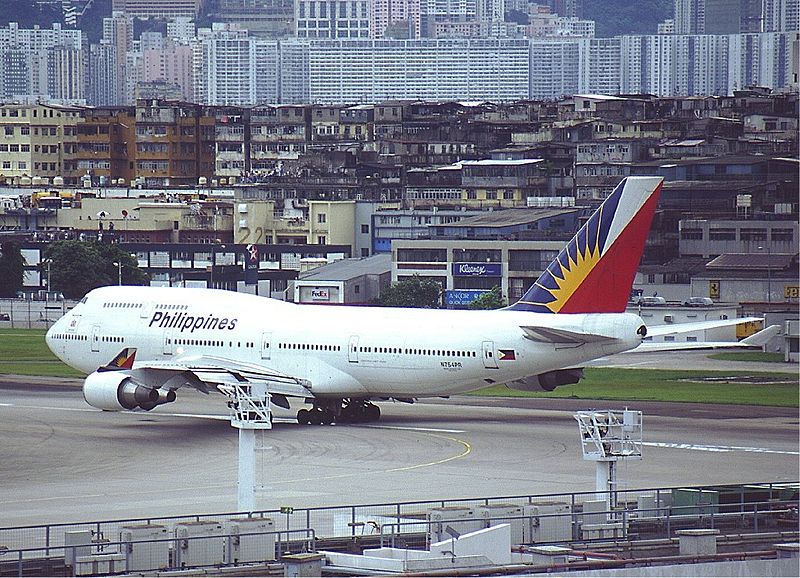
(442,69)
(332,20)
(559,67)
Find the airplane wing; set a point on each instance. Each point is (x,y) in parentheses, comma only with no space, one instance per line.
(206,372)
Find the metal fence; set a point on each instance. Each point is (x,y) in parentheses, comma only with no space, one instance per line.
(32,313)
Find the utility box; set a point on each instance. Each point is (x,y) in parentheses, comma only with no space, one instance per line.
(504,514)
(547,522)
(462,519)
(248,540)
(142,553)
(77,543)
(307,564)
(99,564)
(595,512)
(198,544)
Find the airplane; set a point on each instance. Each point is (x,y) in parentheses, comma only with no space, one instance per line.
(342,359)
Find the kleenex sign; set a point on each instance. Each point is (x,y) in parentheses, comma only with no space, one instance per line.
(477,269)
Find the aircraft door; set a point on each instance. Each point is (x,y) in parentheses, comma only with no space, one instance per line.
(352,349)
(266,345)
(167,343)
(489,355)
(95,338)
(144,312)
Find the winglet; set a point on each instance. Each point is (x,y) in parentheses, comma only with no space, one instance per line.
(761,338)
(123,360)
(594,272)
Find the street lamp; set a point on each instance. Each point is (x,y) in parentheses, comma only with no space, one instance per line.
(48,262)
(214,259)
(769,273)
(119,265)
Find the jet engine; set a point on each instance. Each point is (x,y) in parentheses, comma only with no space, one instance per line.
(117,391)
(548,381)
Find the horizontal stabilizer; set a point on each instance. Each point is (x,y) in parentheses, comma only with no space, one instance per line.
(678,328)
(755,341)
(553,335)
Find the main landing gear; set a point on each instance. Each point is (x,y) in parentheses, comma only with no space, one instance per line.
(344,411)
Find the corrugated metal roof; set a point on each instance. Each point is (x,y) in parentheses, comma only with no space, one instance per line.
(750,261)
(509,217)
(347,269)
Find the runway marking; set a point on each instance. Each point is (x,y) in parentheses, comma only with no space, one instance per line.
(722,449)
(422,429)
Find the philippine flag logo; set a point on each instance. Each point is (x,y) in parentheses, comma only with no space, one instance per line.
(507,355)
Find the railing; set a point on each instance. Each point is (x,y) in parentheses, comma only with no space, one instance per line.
(777,502)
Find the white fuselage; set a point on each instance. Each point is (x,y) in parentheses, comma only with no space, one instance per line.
(341,351)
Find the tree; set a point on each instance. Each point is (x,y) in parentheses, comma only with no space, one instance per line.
(412,291)
(12,269)
(78,267)
(490,300)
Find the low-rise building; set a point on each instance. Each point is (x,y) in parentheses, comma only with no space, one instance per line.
(466,268)
(348,281)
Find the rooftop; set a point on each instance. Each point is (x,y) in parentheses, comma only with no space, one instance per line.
(347,269)
(510,217)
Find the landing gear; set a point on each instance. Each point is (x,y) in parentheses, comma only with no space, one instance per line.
(344,411)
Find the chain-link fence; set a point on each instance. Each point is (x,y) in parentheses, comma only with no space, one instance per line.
(32,313)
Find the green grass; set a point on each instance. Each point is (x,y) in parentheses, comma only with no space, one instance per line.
(24,352)
(764,356)
(773,389)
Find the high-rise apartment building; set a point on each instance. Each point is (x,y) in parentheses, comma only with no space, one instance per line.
(690,16)
(444,69)
(157,8)
(781,15)
(42,64)
(332,20)
(395,18)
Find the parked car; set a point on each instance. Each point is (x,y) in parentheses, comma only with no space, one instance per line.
(698,302)
(650,301)
(5,317)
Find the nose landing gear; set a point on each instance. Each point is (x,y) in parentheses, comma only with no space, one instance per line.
(345,411)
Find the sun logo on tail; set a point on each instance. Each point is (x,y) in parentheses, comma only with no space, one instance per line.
(568,271)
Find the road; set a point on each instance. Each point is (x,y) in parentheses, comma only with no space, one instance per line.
(65,461)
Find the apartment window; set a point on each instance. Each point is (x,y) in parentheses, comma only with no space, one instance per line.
(782,234)
(321,240)
(7,165)
(25,130)
(322,218)
(9,131)
(23,165)
(365,229)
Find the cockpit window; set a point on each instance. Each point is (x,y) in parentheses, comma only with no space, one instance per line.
(84,299)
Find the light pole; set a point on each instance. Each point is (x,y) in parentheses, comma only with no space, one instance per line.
(214,259)
(48,262)
(119,272)
(769,273)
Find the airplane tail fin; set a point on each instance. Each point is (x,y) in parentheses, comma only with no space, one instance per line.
(594,272)
(123,360)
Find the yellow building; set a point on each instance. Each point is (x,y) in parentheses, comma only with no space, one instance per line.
(295,221)
(38,141)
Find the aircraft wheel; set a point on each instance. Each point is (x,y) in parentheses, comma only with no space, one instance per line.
(315,417)
(326,417)
(303,417)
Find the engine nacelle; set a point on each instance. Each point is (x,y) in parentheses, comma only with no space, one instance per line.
(548,381)
(117,391)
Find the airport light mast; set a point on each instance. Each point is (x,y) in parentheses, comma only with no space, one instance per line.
(608,436)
